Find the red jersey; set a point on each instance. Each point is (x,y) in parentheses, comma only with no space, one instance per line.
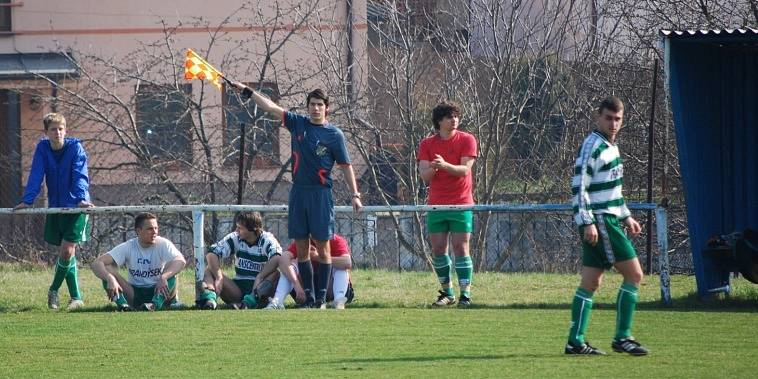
(338,247)
(444,188)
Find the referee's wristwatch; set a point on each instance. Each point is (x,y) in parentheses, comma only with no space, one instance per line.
(356,195)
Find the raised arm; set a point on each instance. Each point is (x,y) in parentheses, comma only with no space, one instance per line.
(270,107)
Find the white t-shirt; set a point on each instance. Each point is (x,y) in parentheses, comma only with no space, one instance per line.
(145,265)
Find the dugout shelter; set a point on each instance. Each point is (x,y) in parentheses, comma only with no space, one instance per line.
(713,82)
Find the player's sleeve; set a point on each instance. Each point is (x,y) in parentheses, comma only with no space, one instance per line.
(339,150)
(469,147)
(292,248)
(80,182)
(583,172)
(170,251)
(119,252)
(36,175)
(338,245)
(272,246)
(291,119)
(423,152)
(223,248)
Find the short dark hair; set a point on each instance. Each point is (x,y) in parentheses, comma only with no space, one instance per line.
(140,219)
(252,221)
(611,103)
(444,109)
(317,93)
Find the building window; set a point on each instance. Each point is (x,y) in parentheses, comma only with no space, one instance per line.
(164,121)
(5,15)
(261,132)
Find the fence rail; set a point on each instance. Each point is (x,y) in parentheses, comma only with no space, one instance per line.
(198,222)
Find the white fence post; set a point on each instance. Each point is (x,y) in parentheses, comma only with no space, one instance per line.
(198,246)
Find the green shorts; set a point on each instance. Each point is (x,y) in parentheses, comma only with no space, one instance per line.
(144,295)
(450,221)
(245,285)
(70,227)
(612,245)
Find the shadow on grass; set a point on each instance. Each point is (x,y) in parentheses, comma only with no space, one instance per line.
(687,303)
(425,358)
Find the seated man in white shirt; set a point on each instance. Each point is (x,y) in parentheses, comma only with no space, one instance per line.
(152,263)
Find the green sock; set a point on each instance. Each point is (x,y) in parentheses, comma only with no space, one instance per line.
(250,301)
(208,295)
(464,267)
(581,308)
(444,270)
(120,299)
(626,303)
(158,301)
(72,280)
(61,269)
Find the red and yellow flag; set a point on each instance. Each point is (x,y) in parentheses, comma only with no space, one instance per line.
(196,67)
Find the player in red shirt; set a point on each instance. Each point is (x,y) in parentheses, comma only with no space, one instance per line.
(445,160)
(341,289)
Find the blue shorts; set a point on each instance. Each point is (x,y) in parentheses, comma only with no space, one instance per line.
(311,213)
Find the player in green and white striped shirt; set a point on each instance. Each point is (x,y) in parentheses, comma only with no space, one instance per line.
(598,207)
(256,253)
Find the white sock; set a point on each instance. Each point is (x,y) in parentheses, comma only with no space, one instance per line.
(339,285)
(283,287)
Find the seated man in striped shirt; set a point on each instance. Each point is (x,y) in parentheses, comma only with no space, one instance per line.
(255,252)
(599,210)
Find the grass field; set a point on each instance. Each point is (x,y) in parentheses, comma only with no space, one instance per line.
(517,329)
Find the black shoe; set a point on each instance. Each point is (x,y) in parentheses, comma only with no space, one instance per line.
(628,345)
(585,349)
(464,302)
(319,304)
(444,300)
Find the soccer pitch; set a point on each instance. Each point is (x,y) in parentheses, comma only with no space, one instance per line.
(517,329)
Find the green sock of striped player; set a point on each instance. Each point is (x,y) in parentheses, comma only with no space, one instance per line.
(72,280)
(626,303)
(581,308)
(464,268)
(208,295)
(61,269)
(444,270)
(250,301)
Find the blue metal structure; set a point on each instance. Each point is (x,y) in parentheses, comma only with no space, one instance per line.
(713,82)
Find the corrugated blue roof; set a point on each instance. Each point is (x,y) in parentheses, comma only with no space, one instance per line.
(744,36)
(709,32)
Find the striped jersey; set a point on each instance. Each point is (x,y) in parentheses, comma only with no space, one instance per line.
(249,259)
(598,178)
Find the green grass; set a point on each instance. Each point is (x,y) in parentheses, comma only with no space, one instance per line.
(518,329)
